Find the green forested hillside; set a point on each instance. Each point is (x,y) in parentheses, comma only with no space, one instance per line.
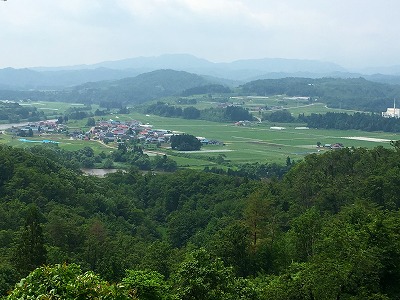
(351,93)
(328,230)
(138,89)
(131,90)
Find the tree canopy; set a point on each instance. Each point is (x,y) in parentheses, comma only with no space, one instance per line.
(329,229)
(185,142)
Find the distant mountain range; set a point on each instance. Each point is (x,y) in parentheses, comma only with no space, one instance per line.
(350,93)
(232,74)
(111,93)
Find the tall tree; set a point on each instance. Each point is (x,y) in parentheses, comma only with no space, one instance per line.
(30,251)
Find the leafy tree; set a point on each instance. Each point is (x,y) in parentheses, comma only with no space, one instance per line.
(159,256)
(90,122)
(96,244)
(204,277)
(164,163)
(30,251)
(147,285)
(65,282)
(190,113)
(8,277)
(185,142)
(237,113)
(183,224)
(233,245)
(108,164)
(283,116)
(304,233)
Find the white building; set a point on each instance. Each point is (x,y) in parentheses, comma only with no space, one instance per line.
(392,112)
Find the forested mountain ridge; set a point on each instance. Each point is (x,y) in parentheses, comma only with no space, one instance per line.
(144,87)
(350,93)
(328,230)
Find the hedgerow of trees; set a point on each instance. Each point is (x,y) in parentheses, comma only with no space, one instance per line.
(340,121)
(226,114)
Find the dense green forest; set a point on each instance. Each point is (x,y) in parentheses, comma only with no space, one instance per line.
(351,93)
(329,229)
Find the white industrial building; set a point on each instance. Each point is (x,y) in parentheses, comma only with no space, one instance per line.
(392,112)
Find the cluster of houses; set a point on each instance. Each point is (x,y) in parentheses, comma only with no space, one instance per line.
(37,128)
(115,130)
(106,131)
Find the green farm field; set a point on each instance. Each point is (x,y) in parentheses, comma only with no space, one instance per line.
(296,105)
(254,143)
(53,108)
(259,143)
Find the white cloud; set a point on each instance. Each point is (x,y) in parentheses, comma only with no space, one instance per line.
(49,32)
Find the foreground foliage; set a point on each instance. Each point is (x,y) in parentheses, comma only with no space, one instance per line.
(329,229)
(65,282)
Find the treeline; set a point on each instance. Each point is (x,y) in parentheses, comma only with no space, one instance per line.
(358,121)
(223,114)
(351,93)
(130,155)
(341,121)
(207,89)
(14,112)
(255,170)
(328,230)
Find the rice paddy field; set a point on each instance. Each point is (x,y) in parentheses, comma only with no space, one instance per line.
(54,109)
(257,142)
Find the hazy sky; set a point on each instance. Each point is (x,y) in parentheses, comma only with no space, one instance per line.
(352,33)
